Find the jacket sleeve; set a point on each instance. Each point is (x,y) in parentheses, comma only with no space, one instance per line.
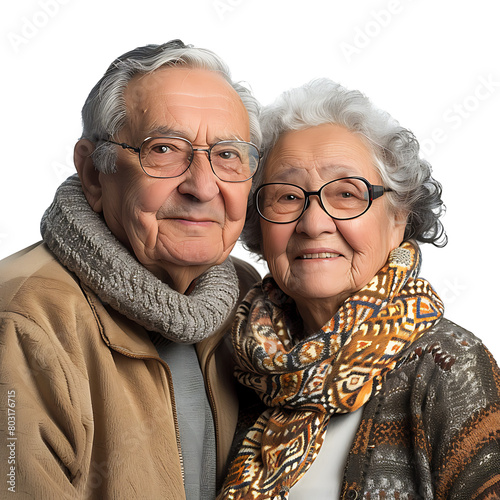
(460,412)
(44,412)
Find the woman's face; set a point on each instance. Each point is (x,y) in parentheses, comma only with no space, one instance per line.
(316,260)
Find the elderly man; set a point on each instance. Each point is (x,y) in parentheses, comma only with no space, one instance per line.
(116,378)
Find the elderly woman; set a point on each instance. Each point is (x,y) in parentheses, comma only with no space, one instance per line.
(371,393)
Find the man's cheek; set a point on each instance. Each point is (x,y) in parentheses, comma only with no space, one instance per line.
(236,207)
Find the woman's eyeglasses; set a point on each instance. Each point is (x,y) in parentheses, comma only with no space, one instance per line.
(342,199)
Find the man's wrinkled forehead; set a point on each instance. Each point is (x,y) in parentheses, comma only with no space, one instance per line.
(171,92)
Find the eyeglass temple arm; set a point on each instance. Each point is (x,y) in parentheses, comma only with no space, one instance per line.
(378,191)
(125,146)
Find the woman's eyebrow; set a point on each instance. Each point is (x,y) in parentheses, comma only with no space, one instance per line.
(335,171)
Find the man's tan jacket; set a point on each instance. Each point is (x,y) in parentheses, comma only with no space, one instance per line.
(87,406)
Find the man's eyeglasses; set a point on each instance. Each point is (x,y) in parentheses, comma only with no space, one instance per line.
(167,157)
(342,199)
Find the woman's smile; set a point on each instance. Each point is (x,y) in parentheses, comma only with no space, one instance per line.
(318,255)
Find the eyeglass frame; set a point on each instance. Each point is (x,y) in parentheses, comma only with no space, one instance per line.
(375,191)
(205,150)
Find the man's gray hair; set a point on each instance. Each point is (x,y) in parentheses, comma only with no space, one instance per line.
(395,153)
(104,112)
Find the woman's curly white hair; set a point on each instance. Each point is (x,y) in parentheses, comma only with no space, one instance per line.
(395,151)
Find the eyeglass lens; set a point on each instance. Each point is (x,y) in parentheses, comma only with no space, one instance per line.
(342,199)
(231,161)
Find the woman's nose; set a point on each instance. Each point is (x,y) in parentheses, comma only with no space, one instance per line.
(315,221)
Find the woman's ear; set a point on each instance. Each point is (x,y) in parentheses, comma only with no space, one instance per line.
(400,223)
(89,176)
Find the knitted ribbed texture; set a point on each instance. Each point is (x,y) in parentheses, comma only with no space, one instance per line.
(84,244)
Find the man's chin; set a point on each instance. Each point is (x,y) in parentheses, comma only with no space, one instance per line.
(204,256)
(188,260)
(191,258)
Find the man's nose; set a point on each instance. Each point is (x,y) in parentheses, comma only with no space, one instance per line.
(315,221)
(199,179)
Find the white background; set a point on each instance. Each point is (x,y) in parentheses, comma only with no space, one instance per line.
(434,65)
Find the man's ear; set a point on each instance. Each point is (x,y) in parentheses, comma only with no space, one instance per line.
(89,176)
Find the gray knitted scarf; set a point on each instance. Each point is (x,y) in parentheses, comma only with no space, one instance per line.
(82,242)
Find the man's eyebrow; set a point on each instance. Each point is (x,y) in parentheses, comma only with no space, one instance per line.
(229,137)
(163,130)
(171,132)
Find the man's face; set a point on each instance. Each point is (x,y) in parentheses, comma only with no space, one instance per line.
(178,227)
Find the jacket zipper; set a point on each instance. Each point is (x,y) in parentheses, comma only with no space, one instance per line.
(176,422)
(211,399)
(169,376)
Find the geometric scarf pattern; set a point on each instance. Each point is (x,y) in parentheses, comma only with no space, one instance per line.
(336,370)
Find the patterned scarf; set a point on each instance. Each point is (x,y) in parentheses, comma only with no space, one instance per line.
(336,370)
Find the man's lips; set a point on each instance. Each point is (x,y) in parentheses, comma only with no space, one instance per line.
(190,219)
(194,222)
(211,215)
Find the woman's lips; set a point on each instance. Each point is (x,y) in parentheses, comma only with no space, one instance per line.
(322,255)
(318,255)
